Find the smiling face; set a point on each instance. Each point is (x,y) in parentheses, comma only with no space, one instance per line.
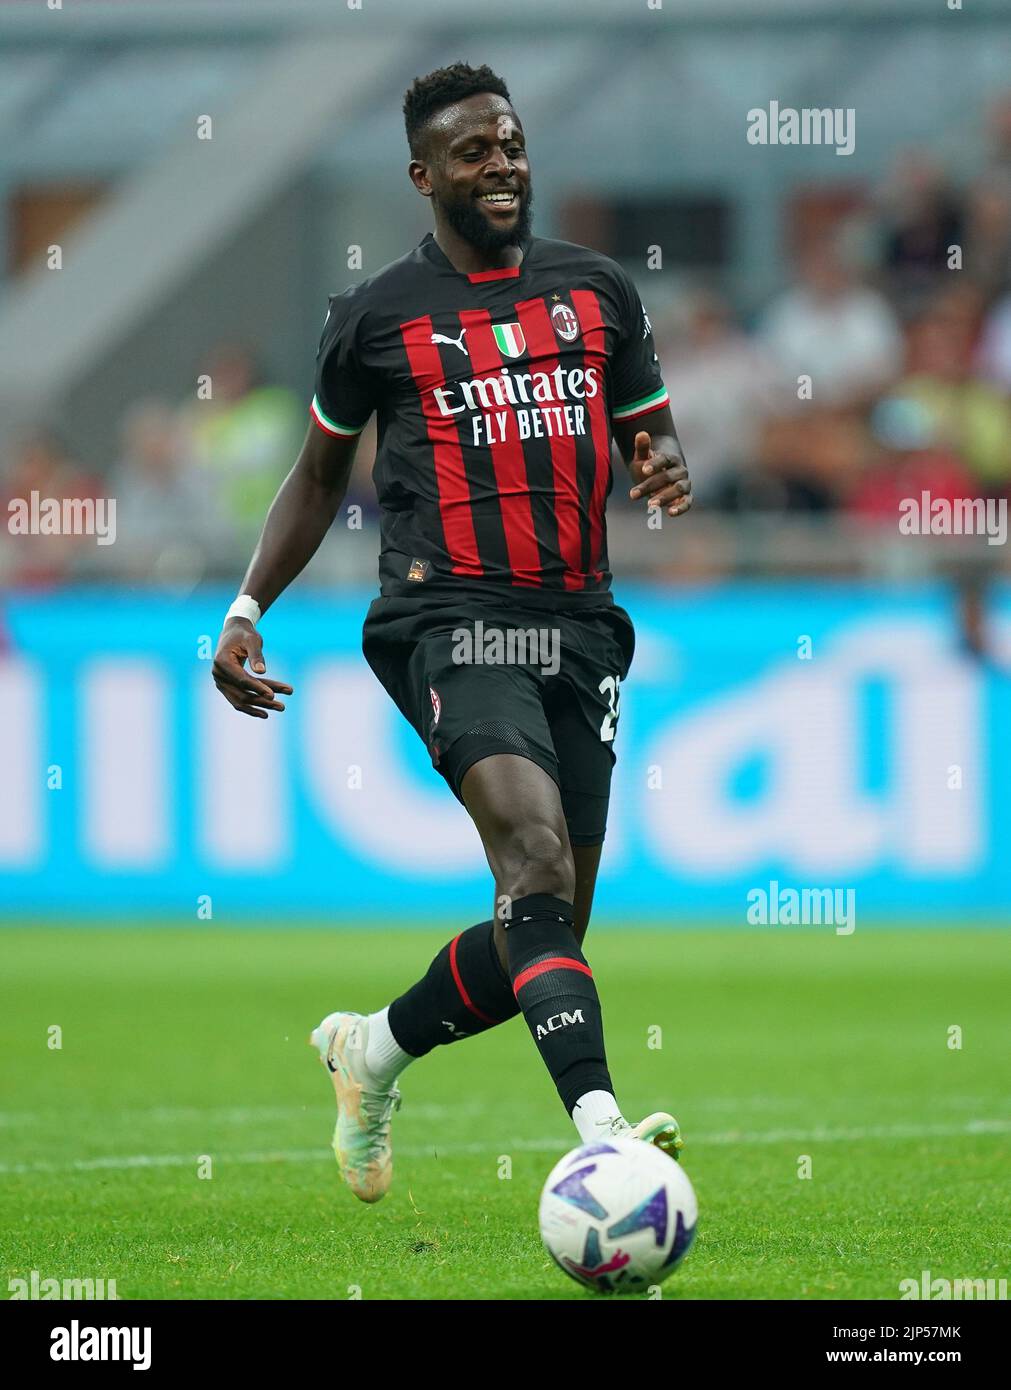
(476,172)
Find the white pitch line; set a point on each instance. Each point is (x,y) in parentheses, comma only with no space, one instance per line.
(224,1115)
(972,1128)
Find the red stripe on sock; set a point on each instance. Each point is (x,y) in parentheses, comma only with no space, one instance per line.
(555,963)
(457,980)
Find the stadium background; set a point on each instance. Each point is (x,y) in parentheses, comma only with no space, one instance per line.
(817,700)
(825,698)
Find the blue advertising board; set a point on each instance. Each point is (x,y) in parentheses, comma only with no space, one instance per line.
(811,735)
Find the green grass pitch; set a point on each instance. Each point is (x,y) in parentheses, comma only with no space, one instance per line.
(183,1042)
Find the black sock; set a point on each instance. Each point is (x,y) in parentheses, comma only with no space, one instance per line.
(554,988)
(465,991)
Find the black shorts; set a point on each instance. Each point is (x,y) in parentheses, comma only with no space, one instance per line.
(477,678)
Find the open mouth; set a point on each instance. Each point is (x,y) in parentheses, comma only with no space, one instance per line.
(503,201)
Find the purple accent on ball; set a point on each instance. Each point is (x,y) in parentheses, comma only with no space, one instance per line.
(571,1189)
(683,1237)
(589,1150)
(650,1214)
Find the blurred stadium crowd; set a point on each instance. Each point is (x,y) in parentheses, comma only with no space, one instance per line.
(880,370)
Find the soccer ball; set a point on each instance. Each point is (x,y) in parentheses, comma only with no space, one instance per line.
(617,1215)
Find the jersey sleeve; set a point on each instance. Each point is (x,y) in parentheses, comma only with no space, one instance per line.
(636,380)
(344,390)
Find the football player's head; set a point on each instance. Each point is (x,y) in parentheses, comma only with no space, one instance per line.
(469,156)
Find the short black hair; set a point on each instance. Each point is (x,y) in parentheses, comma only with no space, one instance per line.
(427,95)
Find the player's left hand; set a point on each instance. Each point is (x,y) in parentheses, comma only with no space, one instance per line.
(660,476)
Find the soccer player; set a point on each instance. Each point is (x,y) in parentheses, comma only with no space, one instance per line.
(500,365)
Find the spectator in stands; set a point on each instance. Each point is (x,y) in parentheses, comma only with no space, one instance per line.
(988,237)
(722,387)
(907,457)
(40,463)
(923,218)
(833,329)
(168,524)
(804,463)
(246,435)
(969,416)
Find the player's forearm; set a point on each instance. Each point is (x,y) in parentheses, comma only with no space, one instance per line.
(299,517)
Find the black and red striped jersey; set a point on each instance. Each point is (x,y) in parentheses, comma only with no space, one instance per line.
(494,394)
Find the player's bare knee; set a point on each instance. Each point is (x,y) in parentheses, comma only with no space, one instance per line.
(537,859)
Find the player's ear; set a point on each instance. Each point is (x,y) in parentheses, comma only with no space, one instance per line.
(417,172)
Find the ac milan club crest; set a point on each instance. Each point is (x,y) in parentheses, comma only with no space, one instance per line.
(436,704)
(564,322)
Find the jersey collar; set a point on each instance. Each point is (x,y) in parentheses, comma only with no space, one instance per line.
(433,252)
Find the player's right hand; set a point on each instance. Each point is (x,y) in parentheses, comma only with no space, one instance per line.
(240,642)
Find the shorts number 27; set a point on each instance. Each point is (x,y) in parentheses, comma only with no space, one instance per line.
(609,687)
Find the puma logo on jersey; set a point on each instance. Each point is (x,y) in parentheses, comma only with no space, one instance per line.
(556,1021)
(451,342)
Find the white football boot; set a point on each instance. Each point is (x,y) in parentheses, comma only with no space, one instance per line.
(659,1129)
(361,1137)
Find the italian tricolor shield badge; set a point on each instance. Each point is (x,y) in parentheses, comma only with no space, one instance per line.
(510,339)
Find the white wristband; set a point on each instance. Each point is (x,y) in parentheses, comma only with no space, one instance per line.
(244,607)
